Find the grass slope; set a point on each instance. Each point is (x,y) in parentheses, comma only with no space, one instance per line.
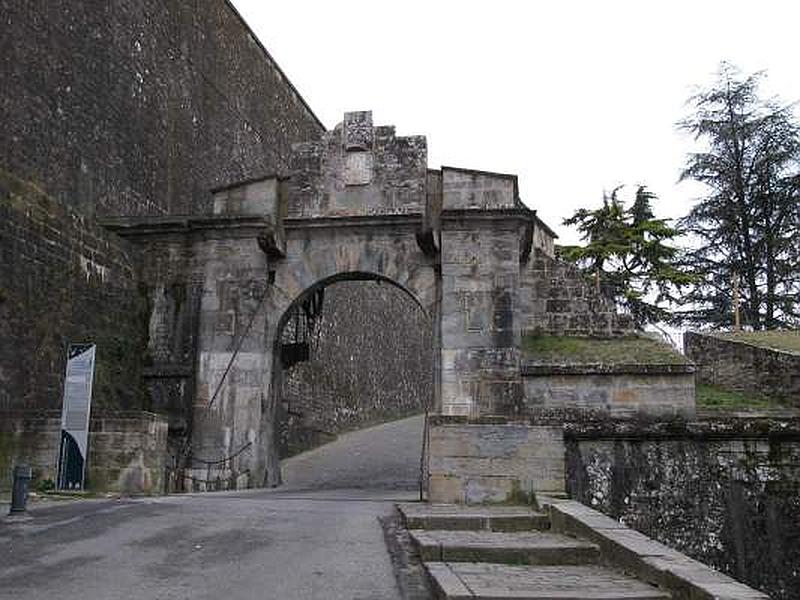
(632,349)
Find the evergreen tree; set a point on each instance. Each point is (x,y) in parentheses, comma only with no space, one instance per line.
(628,254)
(748,224)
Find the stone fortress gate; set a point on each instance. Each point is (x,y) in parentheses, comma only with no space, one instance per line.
(361,203)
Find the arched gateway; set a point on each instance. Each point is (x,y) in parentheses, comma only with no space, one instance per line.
(361,203)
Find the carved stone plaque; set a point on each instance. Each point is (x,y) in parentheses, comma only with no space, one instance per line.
(358,168)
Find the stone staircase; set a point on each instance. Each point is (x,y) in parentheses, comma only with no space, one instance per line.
(566,552)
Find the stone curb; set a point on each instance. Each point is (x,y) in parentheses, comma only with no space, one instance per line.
(651,561)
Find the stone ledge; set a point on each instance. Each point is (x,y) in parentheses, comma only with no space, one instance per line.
(580,423)
(539,369)
(620,546)
(143,226)
(731,427)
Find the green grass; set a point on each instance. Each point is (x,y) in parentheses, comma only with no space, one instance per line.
(788,341)
(632,349)
(711,396)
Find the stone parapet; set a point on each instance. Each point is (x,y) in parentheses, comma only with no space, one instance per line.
(493,461)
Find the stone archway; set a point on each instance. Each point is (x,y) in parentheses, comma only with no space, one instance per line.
(295,346)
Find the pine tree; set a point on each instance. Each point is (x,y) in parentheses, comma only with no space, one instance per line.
(748,224)
(628,254)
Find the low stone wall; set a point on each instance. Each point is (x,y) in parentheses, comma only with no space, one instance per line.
(724,490)
(473,462)
(743,367)
(620,391)
(127,450)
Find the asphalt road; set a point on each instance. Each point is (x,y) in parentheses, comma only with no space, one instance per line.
(316,538)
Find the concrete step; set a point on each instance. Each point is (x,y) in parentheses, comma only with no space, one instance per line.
(452,517)
(463,581)
(526,548)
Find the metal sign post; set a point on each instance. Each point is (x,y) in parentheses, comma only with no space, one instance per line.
(75,417)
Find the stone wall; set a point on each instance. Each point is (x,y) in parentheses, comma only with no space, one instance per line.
(359,170)
(64,279)
(127,449)
(493,460)
(141,107)
(557,299)
(725,491)
(361,371)
(664,390)
(743,367)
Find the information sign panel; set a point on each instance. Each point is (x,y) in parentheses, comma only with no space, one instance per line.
(75,416)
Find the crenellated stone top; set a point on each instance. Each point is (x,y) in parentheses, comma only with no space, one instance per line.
(358,169)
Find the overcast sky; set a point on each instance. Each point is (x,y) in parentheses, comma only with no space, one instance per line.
(574,97)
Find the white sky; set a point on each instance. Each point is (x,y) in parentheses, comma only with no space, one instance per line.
(573,96)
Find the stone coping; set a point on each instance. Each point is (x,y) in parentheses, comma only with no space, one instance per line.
(647,559)
(541,369)
(171,224)
(760,340)
(592,424)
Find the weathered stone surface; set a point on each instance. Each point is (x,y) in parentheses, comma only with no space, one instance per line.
(530,548)
(457,581)
(742,367)
(741,475)
(358,170)
(127,449)
(143,108)
(461,517)
(474,463)
(618,394)
(65,279)
(556,299)
(647,559)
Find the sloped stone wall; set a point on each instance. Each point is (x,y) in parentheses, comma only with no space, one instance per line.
(742,367)
(556,299)
(141,107)
(64,279)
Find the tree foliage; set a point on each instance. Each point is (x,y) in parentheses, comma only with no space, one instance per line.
(628,253)
(748,223)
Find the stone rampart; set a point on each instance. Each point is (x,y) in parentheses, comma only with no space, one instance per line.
(742,367)
(64,279)
(143,107)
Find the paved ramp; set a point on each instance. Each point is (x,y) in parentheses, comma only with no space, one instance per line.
(384,457)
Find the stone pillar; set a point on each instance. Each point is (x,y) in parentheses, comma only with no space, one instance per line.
(480,282)
(234,360)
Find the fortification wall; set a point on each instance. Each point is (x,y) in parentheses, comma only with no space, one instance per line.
(64,279)
(725,491)
(556,299)
(133,108)
(743,367)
